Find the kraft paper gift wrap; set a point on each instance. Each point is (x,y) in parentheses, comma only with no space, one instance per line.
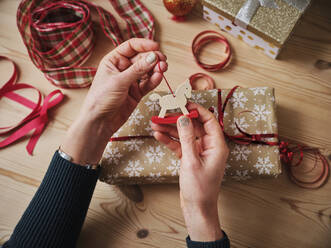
(263,24)
(146,161)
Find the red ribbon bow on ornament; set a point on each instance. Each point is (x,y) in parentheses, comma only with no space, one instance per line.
(36,120)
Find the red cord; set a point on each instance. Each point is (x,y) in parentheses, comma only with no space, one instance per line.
(158,64)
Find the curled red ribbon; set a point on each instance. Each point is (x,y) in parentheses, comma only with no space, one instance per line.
(209,80)
(287,151)
(36,120)
(203,39)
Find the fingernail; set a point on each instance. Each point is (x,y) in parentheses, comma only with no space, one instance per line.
(151,58)
(184,121)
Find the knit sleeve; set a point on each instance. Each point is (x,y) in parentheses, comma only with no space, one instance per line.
(222,243)
(56,213)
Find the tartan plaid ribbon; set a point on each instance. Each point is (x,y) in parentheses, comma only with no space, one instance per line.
(59,35)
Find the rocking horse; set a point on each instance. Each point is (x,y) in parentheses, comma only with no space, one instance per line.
(174,101)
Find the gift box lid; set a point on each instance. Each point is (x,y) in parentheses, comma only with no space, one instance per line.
(273,20)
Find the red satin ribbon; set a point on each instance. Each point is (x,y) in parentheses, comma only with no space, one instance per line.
(36,120)
(287,151)
(209,80)
(203,39)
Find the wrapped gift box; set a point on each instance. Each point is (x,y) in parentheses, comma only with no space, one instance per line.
(262,24)
(143,160)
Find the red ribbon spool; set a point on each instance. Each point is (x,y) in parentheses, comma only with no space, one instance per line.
(203,39)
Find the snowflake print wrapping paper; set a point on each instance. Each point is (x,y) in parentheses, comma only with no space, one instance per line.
(146,161)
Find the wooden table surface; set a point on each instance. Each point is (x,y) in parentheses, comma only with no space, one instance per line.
(258,213)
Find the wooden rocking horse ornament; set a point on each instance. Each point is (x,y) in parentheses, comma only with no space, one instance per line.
(174,101)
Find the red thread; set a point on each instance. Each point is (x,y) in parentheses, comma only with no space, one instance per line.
(158,64)
(36,120)
(173,119)
(203,39)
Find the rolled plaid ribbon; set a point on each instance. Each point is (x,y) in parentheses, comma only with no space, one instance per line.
(59,36)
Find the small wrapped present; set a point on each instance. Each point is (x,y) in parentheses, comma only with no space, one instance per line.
(135,157)
(263,24)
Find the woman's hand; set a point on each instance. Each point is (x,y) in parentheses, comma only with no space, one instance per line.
(123,77)
(203,153)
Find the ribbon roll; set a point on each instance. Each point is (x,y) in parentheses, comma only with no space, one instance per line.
(204,38)
(59,35)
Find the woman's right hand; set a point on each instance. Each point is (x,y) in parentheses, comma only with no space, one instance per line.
(203,152)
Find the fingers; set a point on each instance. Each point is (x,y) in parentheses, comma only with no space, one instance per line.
(133,46)
(130,51)
(173,145)
(187,138)
(154,80)
(172,130)
(208,120)
(161,56)
(138,69)
(168,129)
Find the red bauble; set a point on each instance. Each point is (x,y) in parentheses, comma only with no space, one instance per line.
(179,7)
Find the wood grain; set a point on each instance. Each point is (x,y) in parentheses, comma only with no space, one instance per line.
(259,213)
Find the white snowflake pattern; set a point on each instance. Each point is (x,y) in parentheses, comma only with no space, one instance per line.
(113,155)
(241,175)
(227,166)
(240,152)
(260,112)
(153,105)
(238,100)
(117,133)
(134,144)
(154,177)
(198,98)
(111,178)
(174,167)
(215,111)
(264,165)
(154,154)
(133,169)
(135,118)
(259,90)
(242,124)
(149,129)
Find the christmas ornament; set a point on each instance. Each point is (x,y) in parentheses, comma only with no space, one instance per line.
(173,101)
(179,8)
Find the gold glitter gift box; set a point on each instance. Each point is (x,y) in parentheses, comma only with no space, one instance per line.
(262,24)
(143,160)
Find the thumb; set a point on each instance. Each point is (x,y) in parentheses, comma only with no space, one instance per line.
(187,137)
(139,68)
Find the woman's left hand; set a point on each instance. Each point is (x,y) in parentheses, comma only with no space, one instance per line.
(123,77)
